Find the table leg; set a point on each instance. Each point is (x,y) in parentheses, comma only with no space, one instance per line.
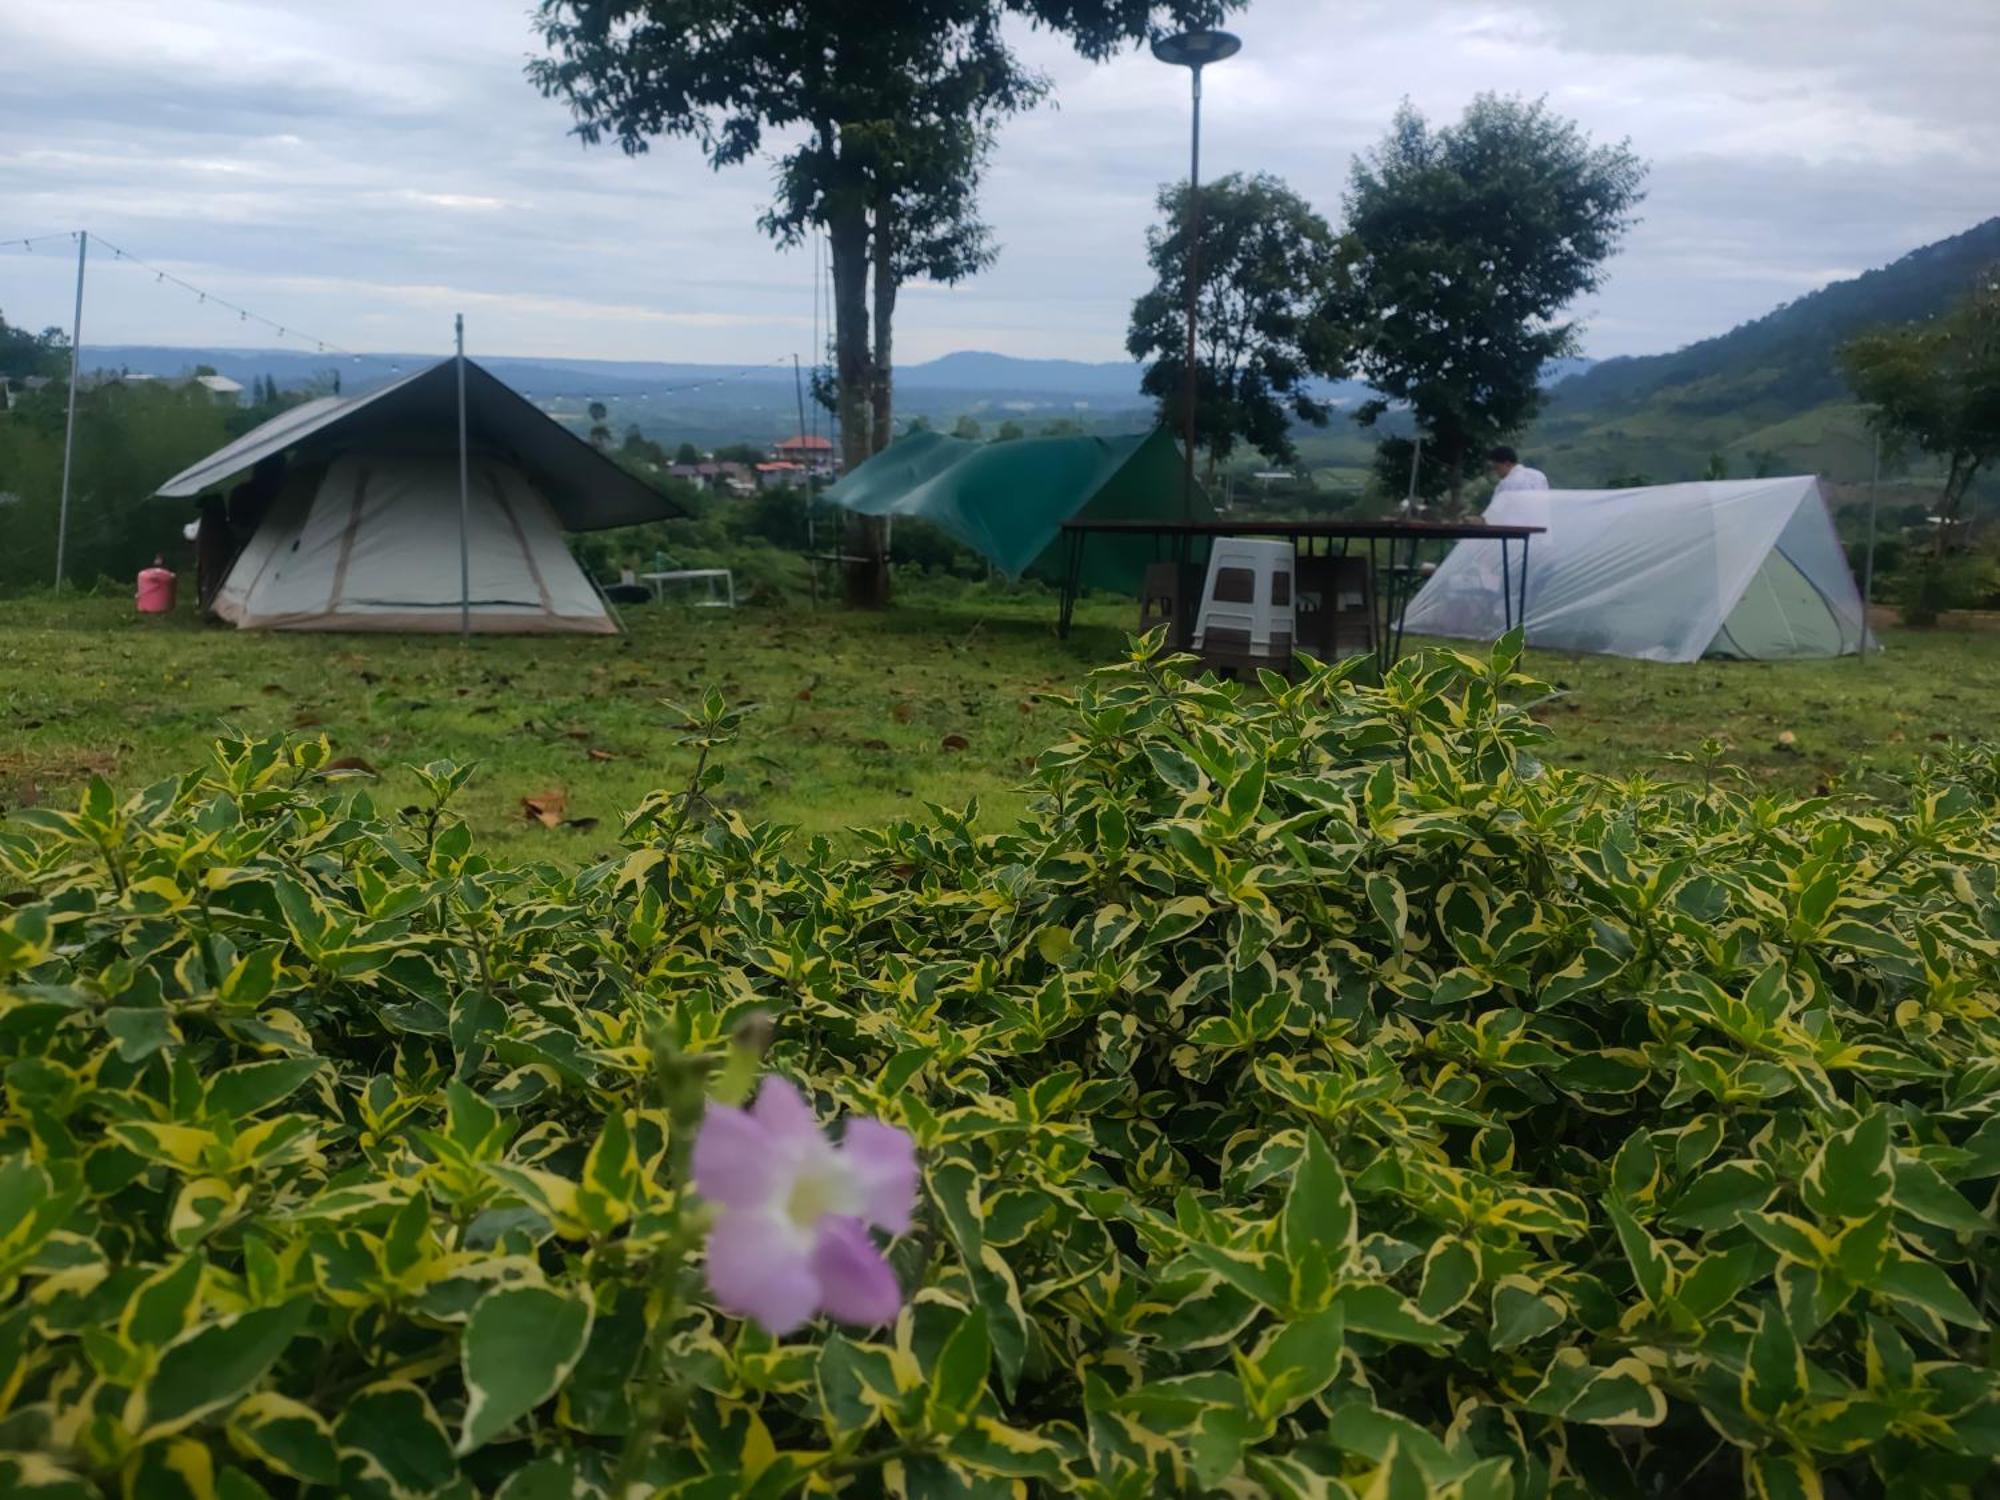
(1070,576)
(1523,612)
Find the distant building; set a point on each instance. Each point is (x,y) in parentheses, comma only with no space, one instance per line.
(781,474)
(716,478)
(220,385)
(811,453)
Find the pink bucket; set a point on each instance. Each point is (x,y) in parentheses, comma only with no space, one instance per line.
(156,590)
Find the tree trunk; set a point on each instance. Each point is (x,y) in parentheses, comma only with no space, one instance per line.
(847,241)
(883,391)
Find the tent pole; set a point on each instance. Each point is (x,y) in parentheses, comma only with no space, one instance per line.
(69,425)
(464,498)
(1868,560)
(799,395)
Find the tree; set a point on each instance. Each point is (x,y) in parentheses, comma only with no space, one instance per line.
(24,354)
(1266,297)
(886,106)
(1468,243)
(687,455)
(1008,431)
(1936,385)
(600,435)
(967,428)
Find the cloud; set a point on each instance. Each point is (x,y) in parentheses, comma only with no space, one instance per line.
(368,168)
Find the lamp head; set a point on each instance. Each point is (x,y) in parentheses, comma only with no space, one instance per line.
(1196,49)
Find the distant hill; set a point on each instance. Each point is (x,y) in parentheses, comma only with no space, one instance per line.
(1768,394)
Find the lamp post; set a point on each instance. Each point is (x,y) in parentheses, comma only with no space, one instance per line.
(1193,50)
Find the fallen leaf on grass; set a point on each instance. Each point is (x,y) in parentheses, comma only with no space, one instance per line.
(902,713)
(581,825)
(273,690)
(596,754)
(874,744)
(956,742)
(348,765)
(804,695)
(576,734)
(545,808)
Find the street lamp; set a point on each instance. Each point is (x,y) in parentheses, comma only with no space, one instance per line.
(1193,50)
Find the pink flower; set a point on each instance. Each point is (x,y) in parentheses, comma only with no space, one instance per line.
(792,1239)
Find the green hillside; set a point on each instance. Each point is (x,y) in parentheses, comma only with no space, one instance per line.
(1767,396)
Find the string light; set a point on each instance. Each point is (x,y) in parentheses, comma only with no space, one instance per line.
(202,298)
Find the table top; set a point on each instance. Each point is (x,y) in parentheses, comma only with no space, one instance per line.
(1365,530)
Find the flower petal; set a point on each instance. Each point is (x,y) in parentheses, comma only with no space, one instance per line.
(734,1164)
(759,1269)
(856,1285)
(782,1110)
(883,1163)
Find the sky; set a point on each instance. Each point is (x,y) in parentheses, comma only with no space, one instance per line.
(363,170)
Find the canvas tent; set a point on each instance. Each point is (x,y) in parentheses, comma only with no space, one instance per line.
(1745,568)
(363,533)
(1008,501)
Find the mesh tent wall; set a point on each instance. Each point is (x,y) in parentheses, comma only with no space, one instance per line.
(364,534)
(1008,501)
(1745,568)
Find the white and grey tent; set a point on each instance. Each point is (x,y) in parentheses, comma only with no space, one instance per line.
(1746,568)
(363,532)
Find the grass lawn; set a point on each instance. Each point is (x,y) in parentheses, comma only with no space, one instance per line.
(861,717)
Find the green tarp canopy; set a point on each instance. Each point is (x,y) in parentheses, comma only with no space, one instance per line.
(1007,501)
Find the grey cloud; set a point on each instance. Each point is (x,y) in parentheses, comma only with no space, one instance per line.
(360,167)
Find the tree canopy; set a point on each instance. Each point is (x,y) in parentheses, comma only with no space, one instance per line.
(1268,265)
(886,108)
(23,354)
(1468,243)
(1936,385)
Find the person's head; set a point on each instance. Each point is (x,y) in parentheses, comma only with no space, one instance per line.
(1503,459)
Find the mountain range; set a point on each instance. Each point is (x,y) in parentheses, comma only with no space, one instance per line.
(1765,397)
(1768,395)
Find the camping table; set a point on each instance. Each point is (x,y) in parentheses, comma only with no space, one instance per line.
(1396,574)
(711,576)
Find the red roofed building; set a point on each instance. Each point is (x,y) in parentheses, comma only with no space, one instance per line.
(814,453)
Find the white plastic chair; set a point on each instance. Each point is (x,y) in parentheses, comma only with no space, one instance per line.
(1246,603)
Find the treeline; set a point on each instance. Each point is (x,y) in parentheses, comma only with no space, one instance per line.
(130,436)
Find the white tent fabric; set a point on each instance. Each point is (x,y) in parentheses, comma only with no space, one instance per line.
(1745,568)
(370,542)
(363,534)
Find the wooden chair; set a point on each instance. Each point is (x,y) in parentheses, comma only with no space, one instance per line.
(1336,607)
(1169,596)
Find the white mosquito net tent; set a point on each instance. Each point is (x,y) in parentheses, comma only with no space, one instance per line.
(1746,568)
(360,530)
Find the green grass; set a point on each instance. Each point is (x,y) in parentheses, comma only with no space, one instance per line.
(860,718)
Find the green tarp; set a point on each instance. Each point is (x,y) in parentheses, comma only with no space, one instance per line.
(1008,501)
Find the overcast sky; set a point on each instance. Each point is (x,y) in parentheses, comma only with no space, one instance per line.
(363,169)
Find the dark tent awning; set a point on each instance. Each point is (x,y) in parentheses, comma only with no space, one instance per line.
(588,490)
(1008,500)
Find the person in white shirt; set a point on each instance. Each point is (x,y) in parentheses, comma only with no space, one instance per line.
(1512,473)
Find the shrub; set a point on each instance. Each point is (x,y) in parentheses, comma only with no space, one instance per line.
(1316,1096)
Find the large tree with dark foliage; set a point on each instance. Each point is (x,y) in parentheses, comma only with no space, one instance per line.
(24,354)
(1268,269)
(1936,385)
(886,107)
(1469,243)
